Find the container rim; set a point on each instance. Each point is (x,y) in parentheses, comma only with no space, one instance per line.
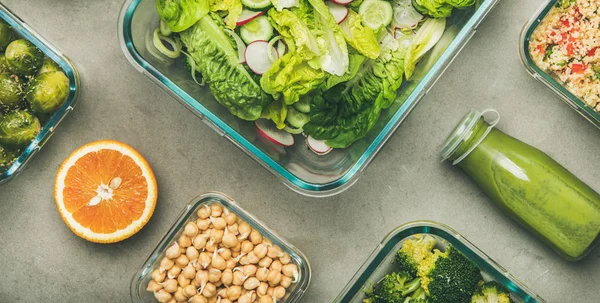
(71,72)
(232,205)
(587,112)
(292,181)
(452,237)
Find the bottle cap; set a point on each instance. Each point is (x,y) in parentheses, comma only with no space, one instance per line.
(463,131)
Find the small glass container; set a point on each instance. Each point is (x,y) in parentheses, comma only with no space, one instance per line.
(143,275)
(23,30)
(379,262)
(527,184)
(542,76)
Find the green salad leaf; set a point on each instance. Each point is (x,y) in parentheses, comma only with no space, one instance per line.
(348,110)
(216,59)
(360,37)
(426,38)
(281,4)
(330,40)
(440,8)
(181,14)
(294,28)
(233,8)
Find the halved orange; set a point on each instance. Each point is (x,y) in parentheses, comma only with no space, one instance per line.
(105,191)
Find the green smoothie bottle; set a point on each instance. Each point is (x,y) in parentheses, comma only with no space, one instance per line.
(530,186)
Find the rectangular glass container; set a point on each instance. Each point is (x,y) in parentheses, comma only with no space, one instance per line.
(544,77)
(298,167)
(379,262)
(143,275)
(50,125)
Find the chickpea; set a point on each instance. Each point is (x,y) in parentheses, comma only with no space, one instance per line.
(190,291)
(238,278)
(190,229)
(166,264)
(225,301)
(174,272)
(222,293)
(244,260)
(260,250)
(209,290)
(230,264)
(276,265)
(204,212)
(251,283)
(231,219)
(163,296)
(173,252)
(265,262)
(247,247)
(184,241)
(229,240)
(213,299)
(199,242)
(218,284)
(265,299)
(274,277)
(256,237)
(170,285)
(285,258)
(234,292)
(216,210)
(196,283)
(191,253)
(252,258)
(234,228)
(279,292)
(262,274)
(203,224)
(182,261)
(218,262)
(227,277)
(219,223)
(286,281)
(249,270)
(237,248)
(189,272)
(183,281)
(267,242)
(198,299)
(274,252)
(244,229)
(211,246)
(225,253)
(204,259)
(153,286)
(158,276)
(216,235)
(201,277)
(179,296)
(262,289)
(247,298)
(214,275)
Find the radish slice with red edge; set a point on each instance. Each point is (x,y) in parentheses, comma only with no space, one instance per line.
(269,131)
(257,56)
(317,146)
(342,2)
(339,12)
(247,16)
(241,47)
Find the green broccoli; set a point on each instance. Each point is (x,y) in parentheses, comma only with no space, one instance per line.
(393,288)
(413,252)
(452,279)
(491,292)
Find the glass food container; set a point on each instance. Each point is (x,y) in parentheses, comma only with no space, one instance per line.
(298,167)
(548,80)
(527,184)
(379,262)
(143,276)
(50,125)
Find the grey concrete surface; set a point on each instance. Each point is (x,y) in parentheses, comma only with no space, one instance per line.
(42,261)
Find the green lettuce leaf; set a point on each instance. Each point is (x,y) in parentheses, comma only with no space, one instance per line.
(180,15)
(360,37)
(233,8)
(281,4)
(277,112)
(291,77)
(294,28)
(216,59)
(347,111)
(440,8)
(334,59)
(426,38)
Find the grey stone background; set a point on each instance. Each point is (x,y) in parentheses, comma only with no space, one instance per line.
(42,261)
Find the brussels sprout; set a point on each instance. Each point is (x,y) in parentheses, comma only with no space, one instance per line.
(7,157)
(18,128)
(49,66)
(10,89)
(24,57)
(6,34)
(3,64)
(47,92)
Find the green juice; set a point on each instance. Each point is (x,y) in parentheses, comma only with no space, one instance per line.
(533,189)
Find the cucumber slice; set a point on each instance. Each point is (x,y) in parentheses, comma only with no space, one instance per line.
(376,13)
(303,105)
(296,118)
(256,4)
(257,29)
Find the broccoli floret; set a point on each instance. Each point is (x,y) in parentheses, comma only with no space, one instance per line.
(393,288)
(491,292)
(413,252)
(453,278)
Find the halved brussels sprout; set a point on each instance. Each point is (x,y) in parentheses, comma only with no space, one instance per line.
(24,57)
(47,92)
(11,90)
(7,157)
(18,128)
(6,34)
(48,66)
(3,64)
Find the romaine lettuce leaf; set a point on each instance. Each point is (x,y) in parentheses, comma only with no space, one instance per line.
(335,51)
(347,111)
(181,14)
(360,37)
(277,112)
(217,60)
(426,38)
(440,8)
(233,8)
(281,4)
(295,32)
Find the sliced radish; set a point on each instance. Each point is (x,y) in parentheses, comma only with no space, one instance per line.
(257,56)
(406,16)
(342,2)
(267,129)
(247,16)
(318,146)
(339,12)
